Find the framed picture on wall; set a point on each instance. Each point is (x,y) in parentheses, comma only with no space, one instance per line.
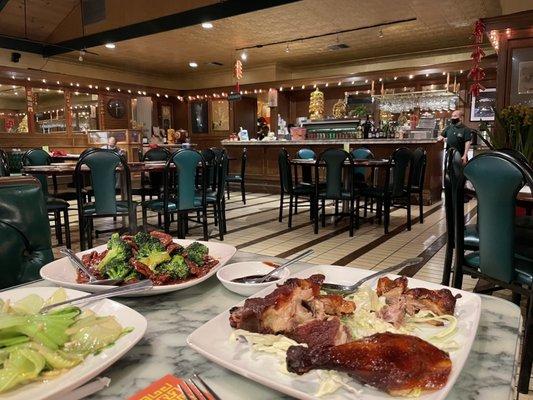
(220,115)
(522,76)
(166,116)
(199,119)
(483,106)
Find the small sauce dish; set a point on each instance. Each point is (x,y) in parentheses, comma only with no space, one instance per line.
(229,272)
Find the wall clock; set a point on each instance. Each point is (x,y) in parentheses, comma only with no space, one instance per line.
(116,108)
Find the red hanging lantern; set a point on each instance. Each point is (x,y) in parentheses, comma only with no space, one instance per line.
(477,74)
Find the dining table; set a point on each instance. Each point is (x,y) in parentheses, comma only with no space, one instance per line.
(488,373)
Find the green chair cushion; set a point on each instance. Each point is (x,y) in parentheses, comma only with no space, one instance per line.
(523,267)
(471,236)
(233,178)
(54,203)
(122,208)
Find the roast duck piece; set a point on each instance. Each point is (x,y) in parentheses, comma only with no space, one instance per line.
(401,300)
(397,364)
(390,362)
(297,310)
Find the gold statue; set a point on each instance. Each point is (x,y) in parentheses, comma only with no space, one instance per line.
(339,109)
(316,105)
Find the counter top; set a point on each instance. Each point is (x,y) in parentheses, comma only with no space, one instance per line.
(324,142)
(488,372)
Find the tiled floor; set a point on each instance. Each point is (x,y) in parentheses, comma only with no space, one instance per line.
(255,228)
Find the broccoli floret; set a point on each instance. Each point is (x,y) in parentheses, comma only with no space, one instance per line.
(117,251)
(176,268)
(151,251)
(118,269)
(196,252)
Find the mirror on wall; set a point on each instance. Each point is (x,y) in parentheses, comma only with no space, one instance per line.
(220,115)
(49,110)
(141,112)
(13,109)
(84,111)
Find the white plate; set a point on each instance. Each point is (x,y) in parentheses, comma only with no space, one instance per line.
(93,364)
(212,341)
(62,273)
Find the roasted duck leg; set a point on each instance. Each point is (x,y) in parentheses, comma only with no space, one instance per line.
(397,364)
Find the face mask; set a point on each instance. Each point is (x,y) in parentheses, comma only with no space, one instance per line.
(455,121)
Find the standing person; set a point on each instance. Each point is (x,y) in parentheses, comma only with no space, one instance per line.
(112,145)
(457,135)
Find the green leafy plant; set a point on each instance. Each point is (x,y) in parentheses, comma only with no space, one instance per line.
(516,131)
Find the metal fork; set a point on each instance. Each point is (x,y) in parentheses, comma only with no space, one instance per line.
(194,388)
(347,289)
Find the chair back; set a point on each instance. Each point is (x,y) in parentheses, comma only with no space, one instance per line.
(362,153)
(401,163)
(209,157)
(25,230)
(102,164)
(38,157)
(156,154)
(285,172)
(497,178)
(306,154)
(244,159)
(4,163)
(186,162)
(334,163)
(221,172)
(419,167)
(453,192)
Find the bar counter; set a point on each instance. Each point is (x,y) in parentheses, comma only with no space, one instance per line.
(262,174)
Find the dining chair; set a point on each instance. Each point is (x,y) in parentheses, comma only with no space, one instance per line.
(102,165)
(238,178)
(215,197)
(55,205)
(417,180)
(454,181)
(181,195)
(25,230)
(291,188)
(361,175)
(307,170)
(338,187)
(497,177)
(396,190)
(4,164)
(152,183)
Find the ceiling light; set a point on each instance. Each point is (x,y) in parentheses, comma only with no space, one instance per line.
(157,94)
(427,75)
(129,91)
(443,73)
(303,86)
(340,83)
(380,79)
(314,86)
(287,48)
(411,76)
(244,56)
(90,86)
(193,64)
(366,80)
(77,84)
(380,33)
(119,90)
(280,89)
(166,96)
(353,82)
(110,45)
(327,84)
(82,54)
(461,71)
(107,88)
(207,25)
(292,87)
(395,77)
(28,78)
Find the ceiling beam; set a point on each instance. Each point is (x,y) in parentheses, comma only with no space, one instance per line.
(3,3)
(19,44)
(224,9)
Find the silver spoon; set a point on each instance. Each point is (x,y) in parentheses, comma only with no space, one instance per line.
(347,289)
(280,267)
(77,263)
(132,288)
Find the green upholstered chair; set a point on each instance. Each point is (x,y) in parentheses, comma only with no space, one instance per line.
(454,182)
(290,187)
(102,166)
(182,197)
(361,175)
(337,186)
(4,163)
(395,191)
(307,170)
(54,205)
(215,198)
(152,183)
(497,177)
(239,178)
(417,180)
(25,230)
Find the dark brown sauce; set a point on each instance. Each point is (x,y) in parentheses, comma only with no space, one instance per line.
(245,278)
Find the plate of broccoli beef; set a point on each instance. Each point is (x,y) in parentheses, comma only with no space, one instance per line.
(171,264)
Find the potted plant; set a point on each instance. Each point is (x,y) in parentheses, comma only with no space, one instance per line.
(516,131)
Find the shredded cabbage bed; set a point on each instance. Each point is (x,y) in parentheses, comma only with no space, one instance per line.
(363,322)
(36,346)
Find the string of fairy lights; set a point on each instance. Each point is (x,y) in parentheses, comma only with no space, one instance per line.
(357,85)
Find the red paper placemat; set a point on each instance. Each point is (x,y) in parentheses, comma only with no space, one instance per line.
(165,388)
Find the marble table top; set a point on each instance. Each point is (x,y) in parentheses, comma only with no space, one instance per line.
(488,372)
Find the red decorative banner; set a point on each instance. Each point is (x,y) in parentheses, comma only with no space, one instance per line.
(477,74)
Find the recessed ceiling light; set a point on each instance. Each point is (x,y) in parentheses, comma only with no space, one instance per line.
(193,64)
(244,56)
(110,45)
(207,25)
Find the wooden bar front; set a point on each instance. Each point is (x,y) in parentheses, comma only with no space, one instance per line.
(262,173)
